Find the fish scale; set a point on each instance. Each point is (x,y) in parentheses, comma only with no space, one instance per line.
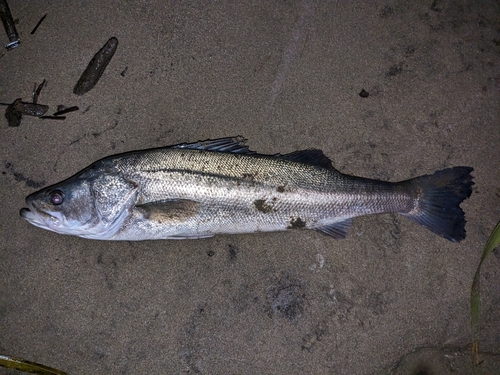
(220,187)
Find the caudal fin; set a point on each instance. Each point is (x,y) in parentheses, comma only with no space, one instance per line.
(439,201)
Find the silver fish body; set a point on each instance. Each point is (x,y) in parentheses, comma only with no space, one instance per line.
(205,188)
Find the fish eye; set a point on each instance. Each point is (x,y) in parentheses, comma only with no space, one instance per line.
(56,197)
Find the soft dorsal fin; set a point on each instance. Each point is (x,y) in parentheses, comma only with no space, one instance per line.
(312,157)
(230,144)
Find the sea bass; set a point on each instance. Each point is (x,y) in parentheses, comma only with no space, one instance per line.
(197,190)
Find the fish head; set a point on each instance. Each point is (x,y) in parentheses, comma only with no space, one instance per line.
(90,205)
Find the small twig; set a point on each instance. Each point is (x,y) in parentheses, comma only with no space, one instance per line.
(53,117)
(38,24)
(33,93)
(38,90)
(66,110)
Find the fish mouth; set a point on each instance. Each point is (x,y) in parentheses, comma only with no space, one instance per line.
(26,214)
(37,218)
(29,215)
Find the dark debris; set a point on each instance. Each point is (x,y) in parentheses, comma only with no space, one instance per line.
(364,93)
(15,111)
(38,24)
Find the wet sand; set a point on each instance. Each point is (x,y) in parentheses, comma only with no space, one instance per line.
(391,298)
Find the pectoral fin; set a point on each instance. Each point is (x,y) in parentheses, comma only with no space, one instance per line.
(176,210)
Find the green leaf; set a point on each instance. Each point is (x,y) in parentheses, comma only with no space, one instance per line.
(27,366)
(475,296)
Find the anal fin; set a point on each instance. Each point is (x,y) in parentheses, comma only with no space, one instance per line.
(336,230)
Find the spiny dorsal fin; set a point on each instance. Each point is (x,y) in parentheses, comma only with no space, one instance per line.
(230,144)
(311,157)
(236,145)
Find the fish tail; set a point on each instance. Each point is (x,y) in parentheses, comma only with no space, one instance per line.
(440,195)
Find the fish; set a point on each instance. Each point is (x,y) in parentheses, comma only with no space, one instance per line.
(197,190)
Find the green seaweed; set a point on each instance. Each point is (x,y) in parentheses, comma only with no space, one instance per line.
(475,295)
(27,366)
